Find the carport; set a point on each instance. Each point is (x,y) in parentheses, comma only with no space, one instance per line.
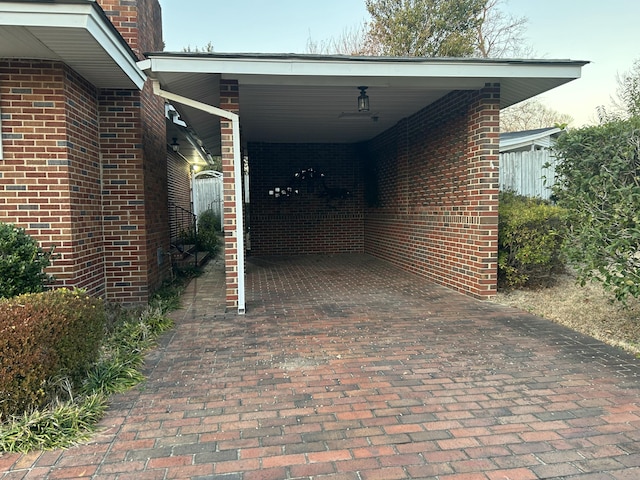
(412,178)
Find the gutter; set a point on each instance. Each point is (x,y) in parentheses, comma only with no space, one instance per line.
(235,123)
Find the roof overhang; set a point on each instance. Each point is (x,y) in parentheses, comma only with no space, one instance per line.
(526,139)
(312,98)
(76,32)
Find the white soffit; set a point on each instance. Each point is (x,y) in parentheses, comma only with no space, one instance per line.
(74,32)
(312,98)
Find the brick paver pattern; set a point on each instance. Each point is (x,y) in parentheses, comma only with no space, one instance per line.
(347,368)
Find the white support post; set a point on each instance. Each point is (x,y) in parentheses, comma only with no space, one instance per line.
(237,166)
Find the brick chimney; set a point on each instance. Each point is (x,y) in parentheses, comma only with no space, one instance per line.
(138,21)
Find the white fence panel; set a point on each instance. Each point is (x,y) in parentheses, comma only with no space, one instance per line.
(525,172)
(207,193)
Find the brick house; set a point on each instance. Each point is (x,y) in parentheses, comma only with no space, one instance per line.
(412,179)
(83,165)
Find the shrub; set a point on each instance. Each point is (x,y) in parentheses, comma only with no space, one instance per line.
(599,185)
(22,262)
(208,227)
(62,423)
(530,236)
(45,336)
(209,220)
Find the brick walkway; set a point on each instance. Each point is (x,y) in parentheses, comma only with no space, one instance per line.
(346,368)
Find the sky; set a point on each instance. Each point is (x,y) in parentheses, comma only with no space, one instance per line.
(605,33)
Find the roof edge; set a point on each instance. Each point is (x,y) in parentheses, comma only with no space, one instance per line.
(95,21)
(352,58)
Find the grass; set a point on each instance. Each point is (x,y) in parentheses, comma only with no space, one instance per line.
(73,417)
(589,310)
(61,425)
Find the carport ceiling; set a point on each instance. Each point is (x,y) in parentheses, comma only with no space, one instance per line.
(310,98)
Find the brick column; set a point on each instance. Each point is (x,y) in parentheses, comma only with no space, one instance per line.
(482,189)
(229,102)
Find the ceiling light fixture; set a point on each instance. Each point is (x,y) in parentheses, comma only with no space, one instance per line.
(363,100)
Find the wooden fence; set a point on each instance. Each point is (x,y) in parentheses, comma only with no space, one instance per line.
(207,193)
(530,173)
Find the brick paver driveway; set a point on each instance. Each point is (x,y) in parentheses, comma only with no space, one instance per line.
(347,368)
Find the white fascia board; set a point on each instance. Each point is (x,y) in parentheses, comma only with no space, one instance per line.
(528,140)
(508,146)
(32,14)
(363,68)
(116,50)
(76,16)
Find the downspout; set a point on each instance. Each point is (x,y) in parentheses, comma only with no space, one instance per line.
(237,170)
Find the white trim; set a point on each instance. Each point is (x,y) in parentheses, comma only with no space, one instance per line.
(299,66)
(75,16)
(211,173)
(518,79)
(237,170)
(116,50)
(218,112)
(519,142)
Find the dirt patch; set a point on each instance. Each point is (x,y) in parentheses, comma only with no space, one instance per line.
(587,309)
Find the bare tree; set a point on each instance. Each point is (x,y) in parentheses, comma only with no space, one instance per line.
(352,41)
(531,114)
(626,102)
(208,48)
(500,35)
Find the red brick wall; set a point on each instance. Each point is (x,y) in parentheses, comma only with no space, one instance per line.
(123,193)
(230,101)
(85,170)
(309,222)
(50,175)
(179,182)
(179,173)
(135,202)
(138,21)
(133,146)
(435,179)
(155,187)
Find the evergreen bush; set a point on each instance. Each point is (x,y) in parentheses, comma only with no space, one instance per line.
(530,236)
(599,185)
(22,262)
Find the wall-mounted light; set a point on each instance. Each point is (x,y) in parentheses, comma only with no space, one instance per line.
(363,100)
(175,146)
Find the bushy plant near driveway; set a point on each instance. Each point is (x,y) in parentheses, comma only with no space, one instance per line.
(73,415)
(598,183)
(22,262)
(530,236)
(45,336)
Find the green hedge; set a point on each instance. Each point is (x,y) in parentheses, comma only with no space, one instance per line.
(22,262)
(44,337)
(599,185)
(530,237)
